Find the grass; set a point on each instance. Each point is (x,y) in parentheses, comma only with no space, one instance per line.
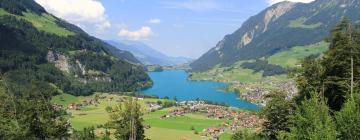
(65,99)
(44,22)
(171,128)
(178,127)
(171,134)
(290,58)
(234,73)
(199,122)
(225,136)
(299,23)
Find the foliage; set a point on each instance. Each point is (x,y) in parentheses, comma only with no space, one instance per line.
(19,6)
(86,134)
(331,75)
(127,121)
(277,113)
(30,114)
(261,65)
(311,121)
(246,135)
(348,120)
(24,48)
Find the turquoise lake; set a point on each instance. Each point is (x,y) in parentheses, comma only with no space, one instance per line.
(174,83)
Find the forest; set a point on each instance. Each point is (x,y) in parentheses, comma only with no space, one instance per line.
(328,103)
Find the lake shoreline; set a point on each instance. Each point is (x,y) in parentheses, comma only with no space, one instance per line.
(175,84)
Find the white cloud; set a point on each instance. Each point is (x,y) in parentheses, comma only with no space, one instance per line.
(141,34)
(79,12)
(154,21)
(277,1)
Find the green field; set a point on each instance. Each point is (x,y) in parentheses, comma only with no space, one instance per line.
(299,23)
(290,58)
(177,127)
(44,22)
(234,73)
(171,128)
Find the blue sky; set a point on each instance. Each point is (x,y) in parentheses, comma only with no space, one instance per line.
(175,27)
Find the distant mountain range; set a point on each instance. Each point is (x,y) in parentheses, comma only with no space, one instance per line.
(147,55)
(278,28)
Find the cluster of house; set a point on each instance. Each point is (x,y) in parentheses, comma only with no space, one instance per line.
(87,102)
(152,106)
(213,132)
(257,94)
(234,119)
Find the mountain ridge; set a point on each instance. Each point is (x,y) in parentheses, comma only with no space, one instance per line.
(148,55)
(39,47)
(277,28)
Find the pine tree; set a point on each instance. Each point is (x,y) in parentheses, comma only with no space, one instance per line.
(127,121)
(336,74)
(348,120)
(311,121)
(276,112)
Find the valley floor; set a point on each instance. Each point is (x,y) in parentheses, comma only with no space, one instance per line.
(160,123)
(251,85)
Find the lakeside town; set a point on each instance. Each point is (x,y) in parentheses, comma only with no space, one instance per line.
(257,94)
(233,118)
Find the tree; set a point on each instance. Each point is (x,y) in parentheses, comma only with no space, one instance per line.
(276,112)
(246,135)
(127,121)
(311,121)
(334,74)
(30,115)
(87,133)
(348,120)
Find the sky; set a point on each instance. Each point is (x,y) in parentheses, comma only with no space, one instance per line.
(186,28)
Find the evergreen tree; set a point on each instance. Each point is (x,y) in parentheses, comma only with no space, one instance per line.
(336,72)
(86,134)
(30,115)
(127,121)
(311,121)
(276,112)
(348,120)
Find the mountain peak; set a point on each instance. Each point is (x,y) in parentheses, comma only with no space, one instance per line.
(277,28)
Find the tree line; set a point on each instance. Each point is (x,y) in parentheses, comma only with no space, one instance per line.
(328,103)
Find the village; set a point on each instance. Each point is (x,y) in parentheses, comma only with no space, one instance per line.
(234,119)
(258,94)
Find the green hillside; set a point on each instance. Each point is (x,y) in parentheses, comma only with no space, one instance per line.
(44,48)
(291,57)
(293,24)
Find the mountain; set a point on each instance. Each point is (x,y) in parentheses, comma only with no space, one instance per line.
(124,55)
(147,55)
(279,28)
(38,48)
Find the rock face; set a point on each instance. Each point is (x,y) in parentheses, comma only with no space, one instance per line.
(277,28)
(61,62)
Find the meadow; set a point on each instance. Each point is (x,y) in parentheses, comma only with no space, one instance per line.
(182,127)
(293,56)
(44,22)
